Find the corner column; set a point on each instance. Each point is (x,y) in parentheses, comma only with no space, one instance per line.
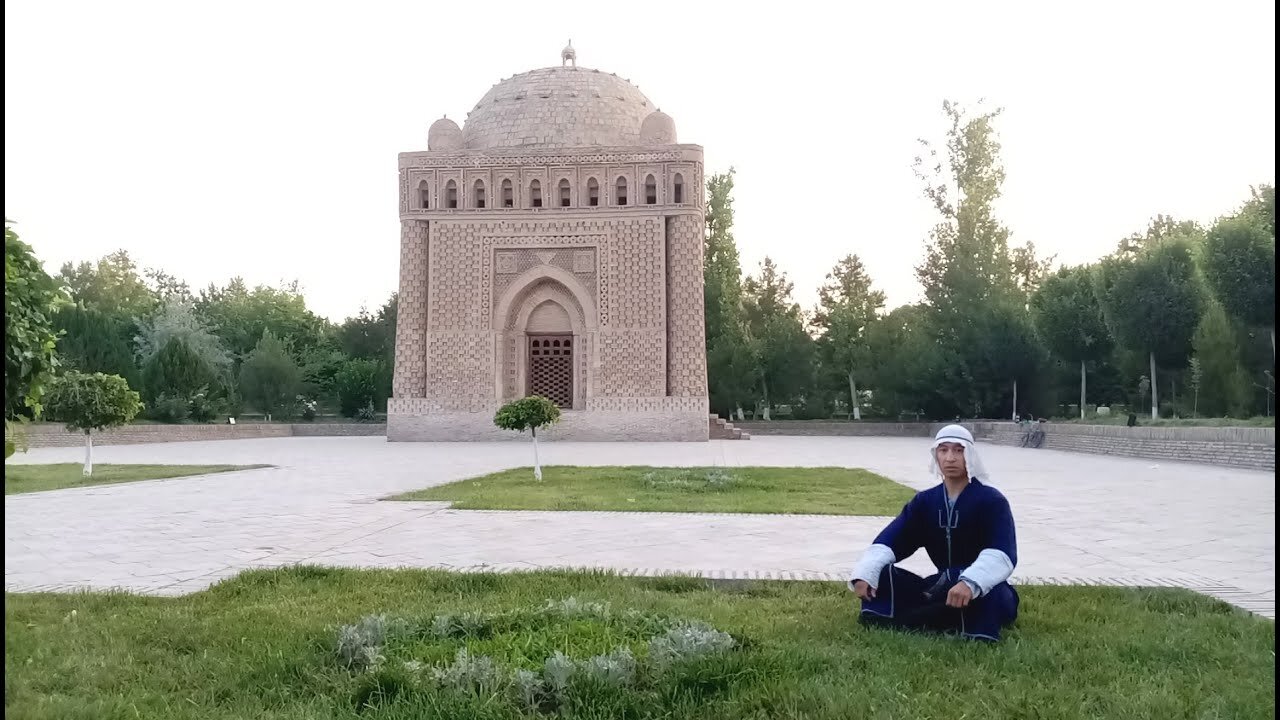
(409,379)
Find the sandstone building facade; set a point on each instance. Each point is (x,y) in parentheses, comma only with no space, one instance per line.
(552,246)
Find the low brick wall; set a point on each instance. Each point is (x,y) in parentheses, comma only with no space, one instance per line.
(1253,448)
(49,435)
(835,427)
(1245,447)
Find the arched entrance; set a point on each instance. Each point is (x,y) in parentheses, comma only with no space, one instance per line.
(545,324)
(550,358)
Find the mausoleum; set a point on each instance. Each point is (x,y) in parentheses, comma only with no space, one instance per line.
(552,245)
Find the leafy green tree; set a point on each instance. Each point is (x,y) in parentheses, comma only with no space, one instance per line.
(905,361)
(1223,387)
(239,316)
(1195,378)
(529,413)
(730,359)
(177,371)
(176,319)
(1152,301)
(269,378)
(1070,320)
(370,336)
(357,385)
(95,341)
(31,298)
(970,276)
(775,328)
(85,402)
(847,304)
(1239,260)
(967,261)
(112,285)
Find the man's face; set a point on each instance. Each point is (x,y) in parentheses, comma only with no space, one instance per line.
(951,460)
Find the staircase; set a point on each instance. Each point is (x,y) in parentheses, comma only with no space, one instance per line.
(722,429)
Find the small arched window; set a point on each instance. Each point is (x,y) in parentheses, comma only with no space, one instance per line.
(535,194)
(593,192)
(508,194)
(479,194)
(424,195)
(451,195)
(677,189)
(565,193)
(620,191)
(650,191)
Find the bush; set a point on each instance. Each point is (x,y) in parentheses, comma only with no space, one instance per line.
(356,384)
(270,377)
(169,409)
(203,407)
(307,408)
(368,413)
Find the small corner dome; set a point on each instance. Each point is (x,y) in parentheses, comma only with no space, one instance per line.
(444,135)
(658,129)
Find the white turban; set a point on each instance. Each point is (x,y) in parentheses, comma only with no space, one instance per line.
(960,435)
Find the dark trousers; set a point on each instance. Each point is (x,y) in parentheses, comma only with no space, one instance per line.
(907,601)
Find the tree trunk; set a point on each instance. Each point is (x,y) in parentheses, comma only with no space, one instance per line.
(537,464)
(88,453)
(1273,347)
(853,398)
(1081,389)
(741,416)
(1015,400)
(764,387)
(1155,405)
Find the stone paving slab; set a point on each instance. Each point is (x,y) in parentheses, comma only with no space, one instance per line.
(1083,519)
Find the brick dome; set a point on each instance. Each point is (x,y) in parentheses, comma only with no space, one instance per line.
(558,107)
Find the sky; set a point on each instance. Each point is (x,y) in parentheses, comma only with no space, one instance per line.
(259,139)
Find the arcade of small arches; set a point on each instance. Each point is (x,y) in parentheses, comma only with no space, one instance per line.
(561,194)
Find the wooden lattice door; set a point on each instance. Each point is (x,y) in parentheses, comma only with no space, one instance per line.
(551,368)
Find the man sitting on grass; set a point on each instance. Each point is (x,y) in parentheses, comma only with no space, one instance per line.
(966,527)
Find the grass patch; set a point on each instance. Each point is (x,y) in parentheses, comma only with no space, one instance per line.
(818,491)
(267,645)
(35,478)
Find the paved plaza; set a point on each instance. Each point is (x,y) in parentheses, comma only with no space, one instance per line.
(1081,518)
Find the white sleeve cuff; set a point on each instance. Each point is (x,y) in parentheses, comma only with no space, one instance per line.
(871,564)
(991,568)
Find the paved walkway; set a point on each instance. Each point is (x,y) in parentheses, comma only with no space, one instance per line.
(1081,518)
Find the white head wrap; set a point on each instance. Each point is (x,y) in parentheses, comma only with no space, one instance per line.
(972,460)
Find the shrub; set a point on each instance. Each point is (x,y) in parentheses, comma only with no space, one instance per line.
(169,409)
(356,384)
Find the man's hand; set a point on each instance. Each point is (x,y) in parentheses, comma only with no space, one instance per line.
(959,595)
(863,590)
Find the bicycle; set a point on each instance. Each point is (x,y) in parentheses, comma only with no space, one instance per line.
(1033,436)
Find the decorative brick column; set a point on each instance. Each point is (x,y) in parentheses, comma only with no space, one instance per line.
(686,324)
(410,377)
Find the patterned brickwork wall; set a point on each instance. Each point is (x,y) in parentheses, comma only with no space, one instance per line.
(631,363)
(686,329)
(636,278)
(409,377)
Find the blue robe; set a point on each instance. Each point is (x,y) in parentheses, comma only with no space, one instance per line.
(952,535)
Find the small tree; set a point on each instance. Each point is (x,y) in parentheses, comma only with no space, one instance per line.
(1196,376)
(269,378)
(529,413)
(85,402)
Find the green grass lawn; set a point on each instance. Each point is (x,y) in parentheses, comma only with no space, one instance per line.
(822,491)
(266,645)
(34,478)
